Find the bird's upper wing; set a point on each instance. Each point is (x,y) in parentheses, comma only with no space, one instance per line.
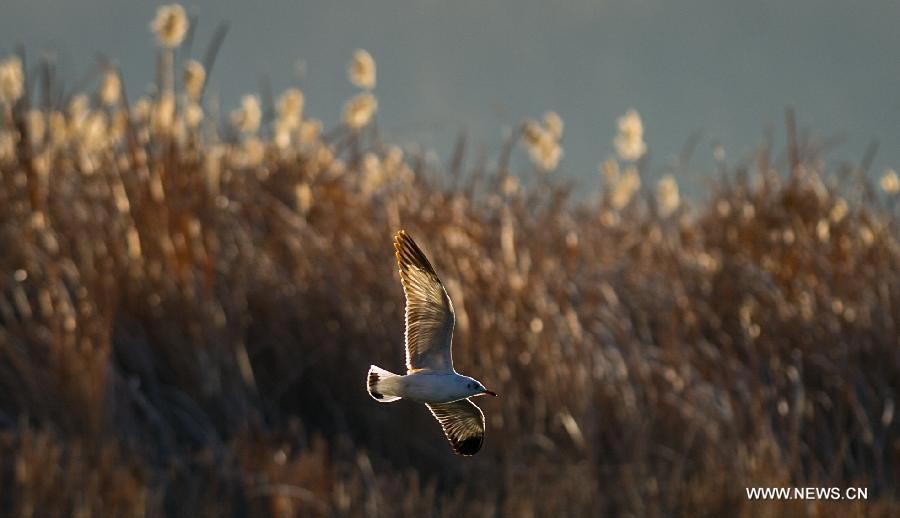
(429,312)
(463,424)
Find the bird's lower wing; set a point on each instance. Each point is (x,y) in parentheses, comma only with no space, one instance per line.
(463,424)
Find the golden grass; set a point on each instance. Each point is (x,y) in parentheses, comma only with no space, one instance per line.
(187,313)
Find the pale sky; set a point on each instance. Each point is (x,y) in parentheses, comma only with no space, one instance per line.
(725,68)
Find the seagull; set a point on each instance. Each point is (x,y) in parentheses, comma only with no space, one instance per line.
(430,377)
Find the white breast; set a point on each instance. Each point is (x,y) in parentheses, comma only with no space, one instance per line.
(430,387)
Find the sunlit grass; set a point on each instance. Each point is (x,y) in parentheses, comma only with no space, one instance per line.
(188,306)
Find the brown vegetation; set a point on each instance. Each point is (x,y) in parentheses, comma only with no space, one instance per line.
(187,315)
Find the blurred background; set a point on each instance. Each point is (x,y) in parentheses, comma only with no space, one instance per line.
(725,69)
(196,268)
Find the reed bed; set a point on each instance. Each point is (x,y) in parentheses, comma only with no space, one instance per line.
(189,304)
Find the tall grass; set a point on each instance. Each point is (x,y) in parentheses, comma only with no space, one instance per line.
(188,309)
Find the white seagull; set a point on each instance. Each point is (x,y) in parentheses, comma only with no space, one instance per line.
(430,377)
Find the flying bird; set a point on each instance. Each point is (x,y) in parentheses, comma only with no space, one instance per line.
(430,377)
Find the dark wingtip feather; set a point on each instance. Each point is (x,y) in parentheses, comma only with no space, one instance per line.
(468,446)
(409,253)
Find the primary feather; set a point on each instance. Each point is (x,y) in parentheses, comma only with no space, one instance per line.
(463,424)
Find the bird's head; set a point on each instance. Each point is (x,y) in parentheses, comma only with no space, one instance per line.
(478,389)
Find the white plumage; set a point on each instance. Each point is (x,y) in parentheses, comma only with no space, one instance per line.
(430,377)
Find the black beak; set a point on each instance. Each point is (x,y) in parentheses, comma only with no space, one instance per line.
(488,392)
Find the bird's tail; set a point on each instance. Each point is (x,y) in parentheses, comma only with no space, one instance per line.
(376,384)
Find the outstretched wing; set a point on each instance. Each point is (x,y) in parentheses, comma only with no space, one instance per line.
(429,312)
(463,424)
